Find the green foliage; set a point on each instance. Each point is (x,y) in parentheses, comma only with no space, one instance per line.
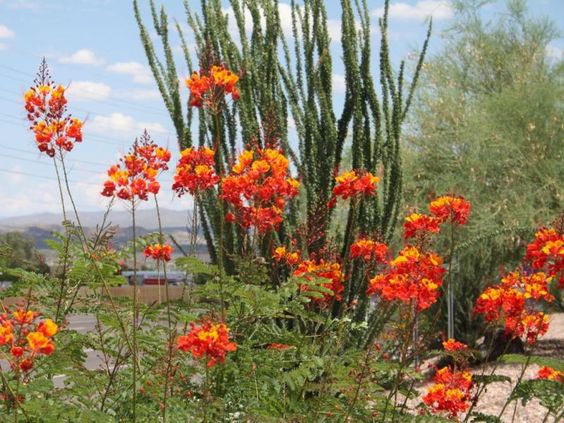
(487,124)
(18,251)
(555,363)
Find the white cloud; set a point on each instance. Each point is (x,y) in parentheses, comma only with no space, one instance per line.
(6,32)
(438,9)
(555,53)
(21,4)
(138,94)
(83,57)
(339,83)
(88,90)
(139,72)
(122,125)
(3,46)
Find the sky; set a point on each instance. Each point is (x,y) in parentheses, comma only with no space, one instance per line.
(93,47)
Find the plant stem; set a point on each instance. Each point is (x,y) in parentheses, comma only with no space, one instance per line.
(135,314)
(86,249)
(509,399)
(220,249)
(169,317)
(450,288)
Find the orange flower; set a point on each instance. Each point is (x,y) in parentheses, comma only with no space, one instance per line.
(546,252)
(329,271)
(411,276)
(6,332)
(452,345)
(210,88)
(367,249)
(46,107)
(507,303)
(195,171)
(210,340)
(455,209)
(353,183)
(48,328)
(258,188)
(417,223)
(39,343)
(23,316)
(450,393)
(135,177)
(158,251)
(281,254)
(548,373)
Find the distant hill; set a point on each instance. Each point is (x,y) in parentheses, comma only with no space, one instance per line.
(145,218)
(40,226)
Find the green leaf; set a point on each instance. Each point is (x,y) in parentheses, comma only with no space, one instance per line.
(195,266)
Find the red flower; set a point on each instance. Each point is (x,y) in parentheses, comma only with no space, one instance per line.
(548,373)
(195,171)
(210,88)
(450,393)
(282,255)
(325,271)
(412,276)
(352,184)
(507,304)
(452,345)
(419,223)
(135,177)
(210,340)
(546,252)
(46,107)
(258,188)
(455,209)
(158,251)
(276,346)
(367,249)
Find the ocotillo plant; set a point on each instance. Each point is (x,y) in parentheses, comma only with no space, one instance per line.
(290,78)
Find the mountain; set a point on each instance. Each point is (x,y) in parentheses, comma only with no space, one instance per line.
(144,218)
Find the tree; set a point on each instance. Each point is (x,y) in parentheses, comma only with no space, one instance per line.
(18,251)
(487,124)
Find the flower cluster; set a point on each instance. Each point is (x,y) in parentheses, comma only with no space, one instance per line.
(209,88)
(258,187)
(411,276)
(322,270)
(195,171)
(354,184)
(506,303)
(548,373)
(451,345)
(158,252)
(450,393)
(450,208)
(136,174)
(26,338)
(46,107)
(546,252)
(210,340)
(369,250)
(281,254)
(417,223)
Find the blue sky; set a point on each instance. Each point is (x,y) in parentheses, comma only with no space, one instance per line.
(93,47)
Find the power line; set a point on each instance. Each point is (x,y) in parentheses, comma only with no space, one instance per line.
(47,164)
(131,105)
(21,150)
